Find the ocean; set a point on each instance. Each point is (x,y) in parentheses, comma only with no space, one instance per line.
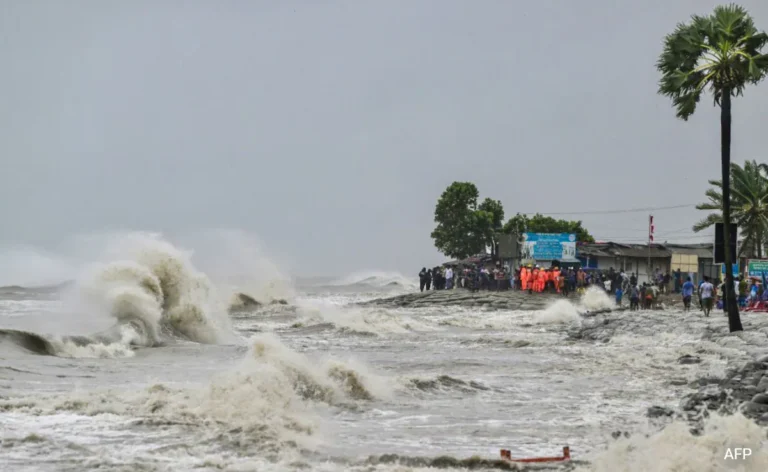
(144,361)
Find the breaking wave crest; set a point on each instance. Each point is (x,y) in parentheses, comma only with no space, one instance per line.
(149,292)
(156,285)
(268,399)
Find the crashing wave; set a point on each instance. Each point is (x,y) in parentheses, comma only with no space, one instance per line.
(267,400)
(153,293)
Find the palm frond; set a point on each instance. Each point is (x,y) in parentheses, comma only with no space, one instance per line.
(722,52)
(710,220)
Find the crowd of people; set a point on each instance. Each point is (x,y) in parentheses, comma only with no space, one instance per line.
(472,278)
(617,283)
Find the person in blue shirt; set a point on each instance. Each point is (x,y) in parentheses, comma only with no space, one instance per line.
(688,288)
(619,295)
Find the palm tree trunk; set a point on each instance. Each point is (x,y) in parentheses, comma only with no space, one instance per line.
(734,321)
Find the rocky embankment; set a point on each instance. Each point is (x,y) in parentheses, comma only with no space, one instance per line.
(507,300)
(744,387)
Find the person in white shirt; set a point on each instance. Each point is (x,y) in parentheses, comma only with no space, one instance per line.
(449,278)
(707,293)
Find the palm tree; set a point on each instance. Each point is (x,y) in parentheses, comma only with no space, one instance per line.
(749,205)
(721,52)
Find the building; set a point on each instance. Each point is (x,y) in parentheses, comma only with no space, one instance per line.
(697,260)
(631,258)
(693,259)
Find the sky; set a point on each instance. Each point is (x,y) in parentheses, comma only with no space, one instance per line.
(328,129)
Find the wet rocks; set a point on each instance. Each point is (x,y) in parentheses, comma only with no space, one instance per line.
(659,412)
(507,300)
(688,359)
(761,398)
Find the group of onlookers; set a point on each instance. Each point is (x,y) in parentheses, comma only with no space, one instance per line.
(470,277)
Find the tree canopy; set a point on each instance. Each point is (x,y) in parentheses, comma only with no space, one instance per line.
(465,228)
(721,52)
(545,224)
(749,205)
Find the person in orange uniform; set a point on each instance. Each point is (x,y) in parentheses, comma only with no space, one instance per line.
(535,279)
(523,278)
(556,279)
(543,276)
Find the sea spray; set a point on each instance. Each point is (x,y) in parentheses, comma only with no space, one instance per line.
(237,263)
(596,298)
(154,284)
(562,311)
(676,448)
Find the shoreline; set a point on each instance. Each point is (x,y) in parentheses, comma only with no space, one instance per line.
(743,388)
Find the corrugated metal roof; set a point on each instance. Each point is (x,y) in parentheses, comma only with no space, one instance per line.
(610,249)
(703,250)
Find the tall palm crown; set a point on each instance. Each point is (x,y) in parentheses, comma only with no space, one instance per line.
(749,205)
(721,52)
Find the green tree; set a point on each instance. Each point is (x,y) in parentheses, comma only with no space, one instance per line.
(538,223)
(749,205)
(464,228)
(723,53)
(492,212)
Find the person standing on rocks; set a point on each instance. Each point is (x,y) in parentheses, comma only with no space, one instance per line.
(423,279)
(687,294)
(634,298)
(707,293)
(448,278)
(429,279)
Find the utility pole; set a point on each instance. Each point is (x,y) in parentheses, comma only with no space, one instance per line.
(650,241)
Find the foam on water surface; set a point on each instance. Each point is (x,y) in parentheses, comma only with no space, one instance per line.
(320,384)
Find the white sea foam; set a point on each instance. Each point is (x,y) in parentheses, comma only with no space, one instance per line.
(270,396)
(675,448)
(376,321)
(596,298)
(562,311)
(150,282)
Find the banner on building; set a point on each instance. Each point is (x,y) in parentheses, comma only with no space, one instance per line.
(757,267)
(548,246)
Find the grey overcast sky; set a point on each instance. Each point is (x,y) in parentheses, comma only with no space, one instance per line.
(330,128)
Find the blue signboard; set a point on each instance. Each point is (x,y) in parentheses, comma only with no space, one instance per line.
(549,246)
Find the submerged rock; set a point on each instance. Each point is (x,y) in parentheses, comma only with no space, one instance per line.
(688,359)
(658,412)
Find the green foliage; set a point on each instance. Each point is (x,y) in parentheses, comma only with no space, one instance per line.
(495,211)
(519,224)
(722,52)
(749,205)
(464,228)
